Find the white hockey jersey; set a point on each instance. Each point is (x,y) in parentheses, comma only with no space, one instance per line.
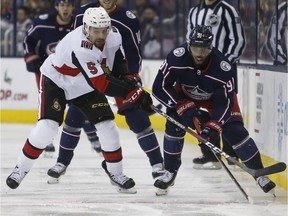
(59,67)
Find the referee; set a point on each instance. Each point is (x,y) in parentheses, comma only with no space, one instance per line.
(278,32)
(229,38)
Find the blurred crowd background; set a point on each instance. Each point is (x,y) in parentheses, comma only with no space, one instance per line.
(163,24)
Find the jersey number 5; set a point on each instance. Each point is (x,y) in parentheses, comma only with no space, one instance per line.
(91,66)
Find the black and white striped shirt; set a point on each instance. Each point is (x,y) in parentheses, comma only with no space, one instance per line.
(278,31)
(229,36)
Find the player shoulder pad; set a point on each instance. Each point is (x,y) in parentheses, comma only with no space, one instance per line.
(130,14)
(43,16)
(225,66)
(178,52)
(84,7)
(45,19)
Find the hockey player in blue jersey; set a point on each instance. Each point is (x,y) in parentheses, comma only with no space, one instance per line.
(193,76)
(42,38)
(138,120)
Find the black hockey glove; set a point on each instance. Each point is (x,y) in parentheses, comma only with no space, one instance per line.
(211,131)
(33,62)
(133,78)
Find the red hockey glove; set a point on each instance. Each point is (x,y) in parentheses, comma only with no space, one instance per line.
(186,110)
(139,98)
(33,62)
(211,131)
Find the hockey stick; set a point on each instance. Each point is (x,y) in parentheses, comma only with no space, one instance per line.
(231,176)
(199,129)
(158,106)
(275,168)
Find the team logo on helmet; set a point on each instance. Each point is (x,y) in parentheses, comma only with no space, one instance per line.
(225,66)
(130,14)
(179,52)
(213,20)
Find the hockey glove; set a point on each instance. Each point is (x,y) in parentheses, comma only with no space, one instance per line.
(133,78)
(33,62)
(199,120)
(211,131)
(139,98)
(186,111)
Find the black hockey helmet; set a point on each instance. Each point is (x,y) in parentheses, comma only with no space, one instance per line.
(201,36)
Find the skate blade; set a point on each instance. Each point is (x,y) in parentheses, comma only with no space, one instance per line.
(161,192)
(272,192)
(48,154)
(8,189)
(52,180)
(208,166)
(127,191)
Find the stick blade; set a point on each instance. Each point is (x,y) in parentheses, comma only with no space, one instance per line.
(275,168)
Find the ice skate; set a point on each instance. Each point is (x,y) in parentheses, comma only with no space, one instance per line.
(157,170)
(95,144)
(206,162)
(49,151)
(164,182)
(123,183)
(266,184)
(15,178)
(55,173)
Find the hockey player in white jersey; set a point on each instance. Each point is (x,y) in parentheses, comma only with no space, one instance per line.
(75,74)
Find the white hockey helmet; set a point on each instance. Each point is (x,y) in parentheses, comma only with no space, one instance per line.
(96,17)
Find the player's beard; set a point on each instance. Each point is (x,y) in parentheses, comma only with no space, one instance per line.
(201,62)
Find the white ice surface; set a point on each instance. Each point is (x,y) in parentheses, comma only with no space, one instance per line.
(85,189)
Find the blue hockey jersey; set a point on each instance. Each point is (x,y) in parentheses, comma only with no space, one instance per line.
(129,27)
(44,35)
(211,87)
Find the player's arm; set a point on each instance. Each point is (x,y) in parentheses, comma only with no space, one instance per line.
(190,24)
(130,33)
(275,46)
(30,42)
(223,101)
(236,34)
(163,86)
(111,86)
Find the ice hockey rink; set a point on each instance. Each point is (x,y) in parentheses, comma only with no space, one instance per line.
(85,189)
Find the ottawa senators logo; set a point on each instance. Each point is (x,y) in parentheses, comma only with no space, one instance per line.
(56,105)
